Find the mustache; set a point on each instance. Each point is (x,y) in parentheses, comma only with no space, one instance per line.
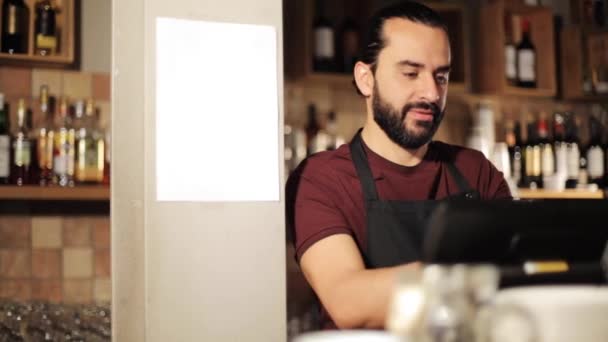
(433,107)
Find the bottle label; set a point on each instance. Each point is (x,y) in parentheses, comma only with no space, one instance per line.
(548,161)
(22,153)
(46,42)
(4,156)
(510,65)
(526,66)
(324,38)
(573,161)
(595,162)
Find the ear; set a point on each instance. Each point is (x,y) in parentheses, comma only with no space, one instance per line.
(364,78)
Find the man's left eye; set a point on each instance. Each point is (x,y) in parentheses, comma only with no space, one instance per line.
(442,79)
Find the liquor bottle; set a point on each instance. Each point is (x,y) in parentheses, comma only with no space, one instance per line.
(526,58)
(514,144)
(45,41)
(573,155)
(595,153)
(510,52)
(64,147)
(45,137)
(533,157)
(547,156)
(349,45)
(4,143)
(90,149)
(559,145)
(22,148)
(324,35)
(312,129)
(15,23)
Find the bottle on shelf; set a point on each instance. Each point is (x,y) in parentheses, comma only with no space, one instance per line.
(335,139)
(64,147)
(348,45)
(526,58)
(533,157)
(45,28)
(324,42)
(90,147)
(15,24)
(573,154)
(595,152)
(560,146)
(546,145)
(45,137)
(510,51)
(599,11)
(312,129)
(4,143)
(516,146)
(22,148)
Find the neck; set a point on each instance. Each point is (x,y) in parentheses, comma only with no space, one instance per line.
(381,144)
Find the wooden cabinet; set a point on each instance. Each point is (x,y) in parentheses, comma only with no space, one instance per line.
(492,40)
(65,26)
(581,62)
(299,17)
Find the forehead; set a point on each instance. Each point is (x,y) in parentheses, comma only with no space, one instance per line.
(407,40)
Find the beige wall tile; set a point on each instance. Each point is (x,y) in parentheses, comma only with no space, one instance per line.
(105,113)
(103,290)
(15,289)
(103,263)
(46,263)
(16,82)
(76,232)
(50,78)
(101,232)
(76,85)
(47,290)
(77,262)
(101,87)
(15,231)
(46,232)
(15,263)
(77,291)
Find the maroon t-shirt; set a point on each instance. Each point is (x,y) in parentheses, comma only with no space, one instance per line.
(324,194)
(329,199)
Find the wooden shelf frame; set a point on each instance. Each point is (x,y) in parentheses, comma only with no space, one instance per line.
(77,193)
(66,22)
(565,194)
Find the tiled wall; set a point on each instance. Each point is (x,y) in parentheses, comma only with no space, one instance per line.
(25,83)
(57,259)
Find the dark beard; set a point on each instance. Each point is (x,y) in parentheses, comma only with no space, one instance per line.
(393,123)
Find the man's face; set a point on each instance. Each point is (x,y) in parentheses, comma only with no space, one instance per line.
(411,82)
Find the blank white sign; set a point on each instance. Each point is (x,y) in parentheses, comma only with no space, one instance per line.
(217,116)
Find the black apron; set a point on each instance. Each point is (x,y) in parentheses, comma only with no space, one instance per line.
(395,229)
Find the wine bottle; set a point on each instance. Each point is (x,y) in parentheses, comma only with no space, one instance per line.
(573,152)
(349,45)
(4,143)
(324,35)
(526,58)
(595,153)
(15,19)
(547,155)
(22,149)
(312,129)
(45,41)
(559,145)
(510,52)
(533,157)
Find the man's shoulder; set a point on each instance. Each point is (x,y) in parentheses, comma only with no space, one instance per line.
(323,163)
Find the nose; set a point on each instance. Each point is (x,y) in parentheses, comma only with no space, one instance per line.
(428,89)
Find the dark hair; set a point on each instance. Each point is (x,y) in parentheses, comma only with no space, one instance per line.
(374,42)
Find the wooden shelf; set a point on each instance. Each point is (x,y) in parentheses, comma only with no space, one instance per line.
(65,27)
(565,194)
(78,193)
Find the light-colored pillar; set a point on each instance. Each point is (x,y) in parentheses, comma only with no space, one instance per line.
(185,270)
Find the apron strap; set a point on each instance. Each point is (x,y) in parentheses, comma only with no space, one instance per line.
(462,183)
(362,166)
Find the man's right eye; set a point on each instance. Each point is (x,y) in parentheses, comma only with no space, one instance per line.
(410,75)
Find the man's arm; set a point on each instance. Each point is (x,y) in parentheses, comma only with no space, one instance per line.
(354,296)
